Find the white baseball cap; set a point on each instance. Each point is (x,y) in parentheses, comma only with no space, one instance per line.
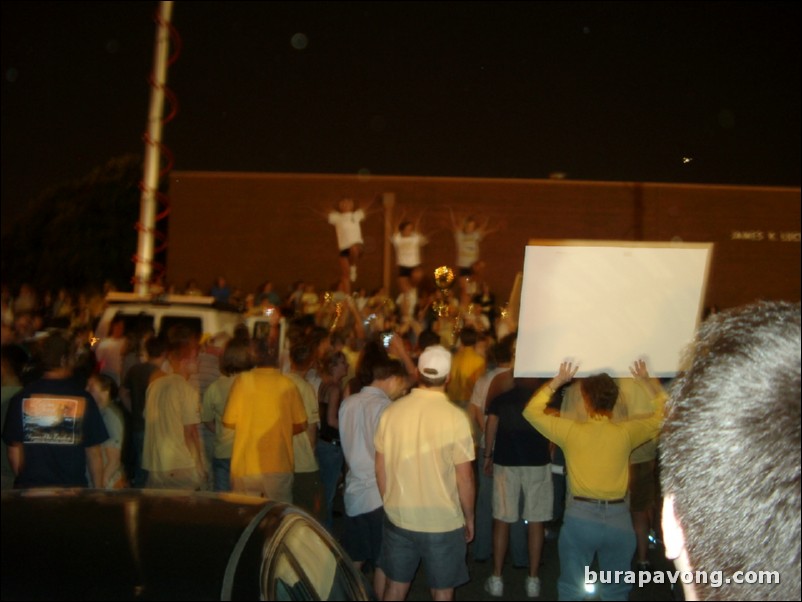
(435,362)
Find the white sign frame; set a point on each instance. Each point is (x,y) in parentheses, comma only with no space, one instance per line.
(604,304)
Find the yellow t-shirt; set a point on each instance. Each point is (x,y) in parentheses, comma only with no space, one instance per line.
(262,408)
(634,401)
(597,451)
(466,368)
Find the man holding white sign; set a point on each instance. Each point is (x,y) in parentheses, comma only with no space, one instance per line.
(597,519)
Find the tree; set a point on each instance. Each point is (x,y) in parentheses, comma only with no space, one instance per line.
(78,234)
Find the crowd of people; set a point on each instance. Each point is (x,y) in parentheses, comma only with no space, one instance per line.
(418,423)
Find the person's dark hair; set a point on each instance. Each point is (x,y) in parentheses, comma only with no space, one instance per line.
(54,351)
(388,368)
(403,225)
(317,335)
(107,383)
(600,391)
(265,353)
(301,354)
(236,357)
(427,338)
(241,333)
(155,347)
(373,353)
(332,360)
(729,449)
(504,348)
(468,336)
(180,339)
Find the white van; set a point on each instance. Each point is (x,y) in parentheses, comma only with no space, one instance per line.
(161,313)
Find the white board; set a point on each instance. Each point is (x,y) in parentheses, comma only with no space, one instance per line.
(604,304)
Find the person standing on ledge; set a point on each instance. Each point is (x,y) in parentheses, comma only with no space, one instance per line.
(468,233)
(347,222)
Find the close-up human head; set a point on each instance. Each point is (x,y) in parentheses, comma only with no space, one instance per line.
(729,452)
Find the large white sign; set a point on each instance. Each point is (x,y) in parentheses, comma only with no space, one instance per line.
(604,304)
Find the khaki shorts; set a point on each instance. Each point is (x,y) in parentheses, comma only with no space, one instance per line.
(535,484)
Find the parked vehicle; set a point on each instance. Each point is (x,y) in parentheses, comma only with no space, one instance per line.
(84,544)
(160,313)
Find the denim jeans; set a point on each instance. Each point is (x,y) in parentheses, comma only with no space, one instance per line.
(331,459)
(588,529)
(222,474)
(482,546)
(140,476)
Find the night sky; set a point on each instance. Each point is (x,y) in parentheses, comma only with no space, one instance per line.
(650,91)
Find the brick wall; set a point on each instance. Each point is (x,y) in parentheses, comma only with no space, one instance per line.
(252,227)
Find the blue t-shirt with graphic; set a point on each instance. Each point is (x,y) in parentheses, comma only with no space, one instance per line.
(55,420)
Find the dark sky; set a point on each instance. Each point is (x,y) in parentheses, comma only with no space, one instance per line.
(598,91)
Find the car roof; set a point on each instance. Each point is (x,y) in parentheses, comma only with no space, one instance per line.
(145,544)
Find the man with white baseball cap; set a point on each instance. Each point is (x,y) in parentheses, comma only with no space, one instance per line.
(424,451)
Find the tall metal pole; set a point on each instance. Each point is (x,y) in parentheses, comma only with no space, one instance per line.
(150,180)
(388,201)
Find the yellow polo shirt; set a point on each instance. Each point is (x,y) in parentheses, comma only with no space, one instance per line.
(423,437)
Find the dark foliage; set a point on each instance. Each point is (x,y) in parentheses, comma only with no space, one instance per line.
(81,233)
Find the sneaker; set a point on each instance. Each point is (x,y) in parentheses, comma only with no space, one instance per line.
(533,587)
(353,273)
(494,586)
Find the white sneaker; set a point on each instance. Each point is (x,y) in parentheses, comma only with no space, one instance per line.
(533,587)
(353,273)
(494,586)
